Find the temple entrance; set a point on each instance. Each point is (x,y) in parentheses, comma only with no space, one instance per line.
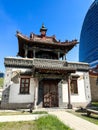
(50,94)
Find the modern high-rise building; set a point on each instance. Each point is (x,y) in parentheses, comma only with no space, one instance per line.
(88,50)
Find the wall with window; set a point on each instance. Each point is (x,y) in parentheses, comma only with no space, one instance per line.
(79,94)
(18,97)
(78,90)
(22,92)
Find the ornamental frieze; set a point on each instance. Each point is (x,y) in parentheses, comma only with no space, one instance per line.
(42,63)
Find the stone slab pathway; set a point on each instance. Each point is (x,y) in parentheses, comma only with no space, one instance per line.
(73,121)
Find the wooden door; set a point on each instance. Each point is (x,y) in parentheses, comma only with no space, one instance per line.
(50,93)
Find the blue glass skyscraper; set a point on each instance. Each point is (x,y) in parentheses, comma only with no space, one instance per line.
(88,49)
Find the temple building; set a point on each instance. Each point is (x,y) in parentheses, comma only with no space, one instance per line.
(40,74)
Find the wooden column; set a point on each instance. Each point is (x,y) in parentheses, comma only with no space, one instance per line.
(26,52)
(69,94)
(34,56)
(35,94)
(64,57)
(58,55)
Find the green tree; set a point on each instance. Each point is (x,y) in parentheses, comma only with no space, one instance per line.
(1,82)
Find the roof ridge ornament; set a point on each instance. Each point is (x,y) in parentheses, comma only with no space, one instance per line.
(43,30)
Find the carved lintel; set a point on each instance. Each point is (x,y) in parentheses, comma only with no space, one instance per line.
(15,76)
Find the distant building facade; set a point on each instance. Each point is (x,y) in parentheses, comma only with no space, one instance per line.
(38,77)
(88,50)
(94,83)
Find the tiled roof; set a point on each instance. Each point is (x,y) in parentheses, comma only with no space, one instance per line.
(51,40)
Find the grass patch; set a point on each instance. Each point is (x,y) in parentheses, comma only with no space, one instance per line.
(43,123)
(13,113)
(92,118)
(25,125)
(50,123)
(21,113)
(40,112)
(94,104)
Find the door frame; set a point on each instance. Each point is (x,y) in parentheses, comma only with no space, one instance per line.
(57,96)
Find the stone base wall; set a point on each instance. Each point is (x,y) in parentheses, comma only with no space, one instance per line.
(15,105)
(27,105)
(82,104)
(76,105)
(5,95)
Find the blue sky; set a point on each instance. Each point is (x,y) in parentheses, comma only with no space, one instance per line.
(63,18)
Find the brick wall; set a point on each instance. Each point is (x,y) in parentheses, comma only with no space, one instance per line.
(94,88)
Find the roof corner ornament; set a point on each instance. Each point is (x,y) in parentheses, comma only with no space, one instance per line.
(31,35)
(17,32)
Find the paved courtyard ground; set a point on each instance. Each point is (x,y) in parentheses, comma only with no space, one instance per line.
(69,119)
